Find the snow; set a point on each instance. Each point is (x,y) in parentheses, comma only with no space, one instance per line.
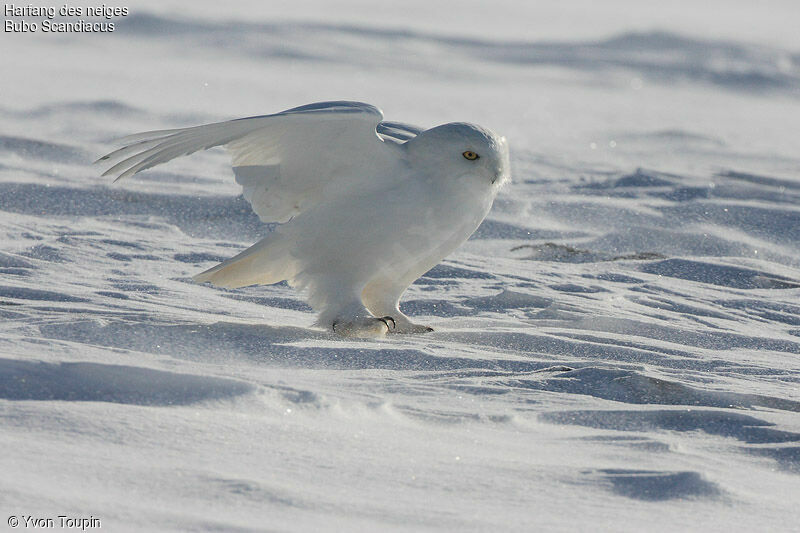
(616,348)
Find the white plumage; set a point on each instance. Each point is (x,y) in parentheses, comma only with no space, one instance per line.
(367,206)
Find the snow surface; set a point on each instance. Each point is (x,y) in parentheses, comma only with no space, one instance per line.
(616,348)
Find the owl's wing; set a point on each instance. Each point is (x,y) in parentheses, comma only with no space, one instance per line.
(286,162)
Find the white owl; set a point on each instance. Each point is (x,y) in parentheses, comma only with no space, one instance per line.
(366,206)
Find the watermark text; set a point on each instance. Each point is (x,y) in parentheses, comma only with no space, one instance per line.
(80,523)
(64,19)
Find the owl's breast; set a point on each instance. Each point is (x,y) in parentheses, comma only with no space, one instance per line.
(433,228)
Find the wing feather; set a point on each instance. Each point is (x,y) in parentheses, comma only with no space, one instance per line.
(398,132)
(285,162)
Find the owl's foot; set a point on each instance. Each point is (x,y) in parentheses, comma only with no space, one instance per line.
(412,329)
(364,327)
(404,326)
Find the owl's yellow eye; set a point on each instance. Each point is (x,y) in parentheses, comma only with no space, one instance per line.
(472,156)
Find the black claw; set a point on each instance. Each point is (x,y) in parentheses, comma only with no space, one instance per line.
(385,320)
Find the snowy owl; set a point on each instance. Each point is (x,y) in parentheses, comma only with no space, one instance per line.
(366,206)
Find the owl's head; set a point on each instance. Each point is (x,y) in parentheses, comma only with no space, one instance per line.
(461,150)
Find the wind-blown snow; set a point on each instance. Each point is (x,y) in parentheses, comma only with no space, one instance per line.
(616,348)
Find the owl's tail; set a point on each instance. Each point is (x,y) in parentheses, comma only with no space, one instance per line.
(266,262)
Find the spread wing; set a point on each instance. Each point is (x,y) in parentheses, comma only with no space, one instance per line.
(286,162)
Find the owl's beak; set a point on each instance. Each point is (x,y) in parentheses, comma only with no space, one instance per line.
(498,173)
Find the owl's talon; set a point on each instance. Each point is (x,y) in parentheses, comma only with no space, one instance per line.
(386,319)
